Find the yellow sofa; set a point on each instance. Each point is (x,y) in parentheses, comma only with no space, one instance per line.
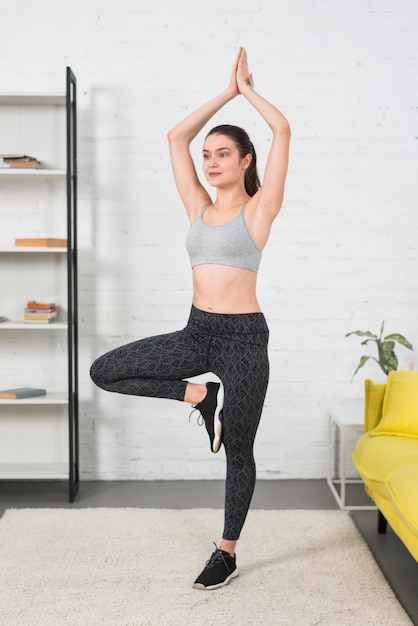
(386,455)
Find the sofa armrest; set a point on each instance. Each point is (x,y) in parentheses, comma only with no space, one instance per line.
(373,403)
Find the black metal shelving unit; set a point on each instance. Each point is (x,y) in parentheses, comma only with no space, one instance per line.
(72,284)
(69,397)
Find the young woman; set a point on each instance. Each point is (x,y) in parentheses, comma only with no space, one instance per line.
(226,332)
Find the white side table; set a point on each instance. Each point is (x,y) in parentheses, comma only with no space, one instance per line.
(343,418)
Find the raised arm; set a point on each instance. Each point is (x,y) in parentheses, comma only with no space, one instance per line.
(269,198)
(191,191)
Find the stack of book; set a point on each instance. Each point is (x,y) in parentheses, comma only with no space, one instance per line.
(40,312)
(22,161)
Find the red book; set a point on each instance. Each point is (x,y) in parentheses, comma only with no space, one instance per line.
(32,304)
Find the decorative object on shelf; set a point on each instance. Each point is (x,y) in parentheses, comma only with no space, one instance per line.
(39,312)
(19,161)
(22,392)
(387,359)
(3,318)
(41,242)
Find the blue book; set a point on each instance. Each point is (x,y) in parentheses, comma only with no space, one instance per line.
(22,392)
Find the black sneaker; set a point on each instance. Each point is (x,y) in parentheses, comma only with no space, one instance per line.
(218,572)
(211,410)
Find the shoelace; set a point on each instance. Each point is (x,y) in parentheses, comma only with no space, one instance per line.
(216,557)
(200,420)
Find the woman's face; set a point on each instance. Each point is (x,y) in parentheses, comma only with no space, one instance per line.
(222,164)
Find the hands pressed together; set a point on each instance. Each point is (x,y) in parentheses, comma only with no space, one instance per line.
(241,78)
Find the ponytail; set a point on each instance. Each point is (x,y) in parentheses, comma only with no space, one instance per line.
(252,181)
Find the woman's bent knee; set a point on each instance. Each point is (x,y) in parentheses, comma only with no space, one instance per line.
(98,371)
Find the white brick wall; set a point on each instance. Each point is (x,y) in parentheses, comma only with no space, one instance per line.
(343,253)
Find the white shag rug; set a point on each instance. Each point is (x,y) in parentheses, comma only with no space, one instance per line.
(135,567)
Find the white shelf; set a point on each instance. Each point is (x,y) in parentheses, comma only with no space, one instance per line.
(11,172)
(33,98)
(31,471)
(50,399)
(22,326)
(35,439)
(41,250)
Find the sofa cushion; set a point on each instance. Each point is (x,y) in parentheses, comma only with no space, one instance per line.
(376,458)
(403,493)
(400,406)
(374,394)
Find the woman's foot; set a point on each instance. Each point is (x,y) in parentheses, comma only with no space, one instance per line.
(218,571)
(210,409)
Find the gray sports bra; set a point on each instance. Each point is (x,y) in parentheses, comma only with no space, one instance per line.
(227,244)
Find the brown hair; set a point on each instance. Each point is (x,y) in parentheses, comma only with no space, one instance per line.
(245,146)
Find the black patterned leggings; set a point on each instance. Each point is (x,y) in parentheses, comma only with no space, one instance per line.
(232,346)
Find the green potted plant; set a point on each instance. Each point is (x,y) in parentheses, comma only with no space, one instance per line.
(386,357)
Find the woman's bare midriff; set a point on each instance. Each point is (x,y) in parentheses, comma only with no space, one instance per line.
(224,289)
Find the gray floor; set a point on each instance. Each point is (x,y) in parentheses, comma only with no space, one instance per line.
(398,566)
